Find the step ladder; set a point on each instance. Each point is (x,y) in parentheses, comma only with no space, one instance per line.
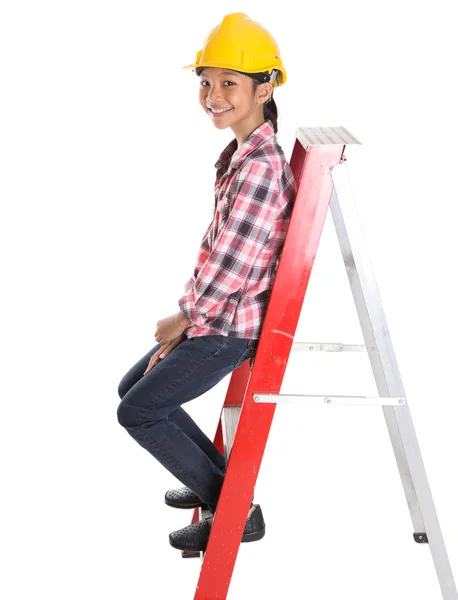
(320,171)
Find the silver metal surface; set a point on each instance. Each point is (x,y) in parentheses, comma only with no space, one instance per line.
(203,514)
(327,347)
(325,136)
(229,422)
(386,373)
(328,400)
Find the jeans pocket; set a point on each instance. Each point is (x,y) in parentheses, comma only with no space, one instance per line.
(245,354)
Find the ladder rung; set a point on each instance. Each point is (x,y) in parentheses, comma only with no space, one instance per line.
(327,347)
(333,400)
(203,514)
(229,422)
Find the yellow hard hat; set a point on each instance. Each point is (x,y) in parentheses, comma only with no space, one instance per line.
(243,45)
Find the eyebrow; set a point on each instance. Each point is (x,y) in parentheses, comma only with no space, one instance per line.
(227,71)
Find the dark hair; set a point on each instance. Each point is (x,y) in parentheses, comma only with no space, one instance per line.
(270,108)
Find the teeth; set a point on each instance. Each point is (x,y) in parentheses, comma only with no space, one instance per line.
(220,110)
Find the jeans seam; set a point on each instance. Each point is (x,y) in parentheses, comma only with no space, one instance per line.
(180,380)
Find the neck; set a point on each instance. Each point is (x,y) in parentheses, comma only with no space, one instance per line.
(245,128)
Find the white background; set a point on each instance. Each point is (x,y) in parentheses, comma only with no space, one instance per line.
(107,174)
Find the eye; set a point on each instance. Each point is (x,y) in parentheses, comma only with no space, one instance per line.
(205,81)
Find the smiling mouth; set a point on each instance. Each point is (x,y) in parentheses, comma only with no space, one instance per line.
(223,112)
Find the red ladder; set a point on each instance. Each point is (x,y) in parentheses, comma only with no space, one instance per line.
(254,390)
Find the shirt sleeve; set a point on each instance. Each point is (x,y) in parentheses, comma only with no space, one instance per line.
(238,243)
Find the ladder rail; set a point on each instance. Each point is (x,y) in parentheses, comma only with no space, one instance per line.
(387,375)
(312,172)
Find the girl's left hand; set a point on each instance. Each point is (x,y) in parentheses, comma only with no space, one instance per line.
(170,328)
(164,351)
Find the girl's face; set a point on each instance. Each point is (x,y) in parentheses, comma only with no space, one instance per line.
(227,89)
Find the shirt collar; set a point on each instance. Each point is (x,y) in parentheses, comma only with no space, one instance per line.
(237,155)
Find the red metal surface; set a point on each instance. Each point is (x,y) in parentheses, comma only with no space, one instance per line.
(314,188)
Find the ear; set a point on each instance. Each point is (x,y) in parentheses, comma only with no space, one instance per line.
(264,92)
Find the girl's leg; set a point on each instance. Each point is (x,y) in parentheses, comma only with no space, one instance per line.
(180,417)
(147,408)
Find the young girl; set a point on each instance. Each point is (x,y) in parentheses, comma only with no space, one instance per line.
(224,302)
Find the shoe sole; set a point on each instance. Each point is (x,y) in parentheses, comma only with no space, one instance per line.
(185,506)
(254,536)
(247,537)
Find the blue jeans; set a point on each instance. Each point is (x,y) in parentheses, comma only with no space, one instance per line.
(150,408)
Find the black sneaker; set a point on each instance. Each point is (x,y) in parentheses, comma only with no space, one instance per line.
(194,537)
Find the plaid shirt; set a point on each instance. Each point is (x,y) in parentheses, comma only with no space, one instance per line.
(255,190)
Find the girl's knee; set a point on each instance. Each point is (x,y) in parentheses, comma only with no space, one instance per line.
(122,388)
(125,384)
(132,413)
(127,415)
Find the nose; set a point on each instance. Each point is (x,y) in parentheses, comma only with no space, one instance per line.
(214,94)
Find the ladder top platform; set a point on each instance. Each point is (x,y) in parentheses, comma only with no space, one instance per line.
(325,136)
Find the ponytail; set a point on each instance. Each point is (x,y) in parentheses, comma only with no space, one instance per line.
(270,108)
(271,112)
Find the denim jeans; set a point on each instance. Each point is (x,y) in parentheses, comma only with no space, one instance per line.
(150,408)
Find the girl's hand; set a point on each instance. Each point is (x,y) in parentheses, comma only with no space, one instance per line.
(164,351)
(171,327)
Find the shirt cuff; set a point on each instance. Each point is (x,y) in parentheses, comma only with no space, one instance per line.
(188,307)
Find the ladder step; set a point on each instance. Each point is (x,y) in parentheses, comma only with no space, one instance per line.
(333,400)
(229,421)
(204,513)
(327,347)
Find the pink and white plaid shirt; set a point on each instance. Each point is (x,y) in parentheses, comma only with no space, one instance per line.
(255,190)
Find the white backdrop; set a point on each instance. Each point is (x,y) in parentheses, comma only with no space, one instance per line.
(107,174)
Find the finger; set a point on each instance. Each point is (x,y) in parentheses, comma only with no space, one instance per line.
(152,362)
(156,356)
(149,367)
(165,351)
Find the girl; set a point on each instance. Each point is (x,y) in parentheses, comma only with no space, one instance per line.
(224,302)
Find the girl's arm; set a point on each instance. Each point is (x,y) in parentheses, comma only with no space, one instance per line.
(238,244)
